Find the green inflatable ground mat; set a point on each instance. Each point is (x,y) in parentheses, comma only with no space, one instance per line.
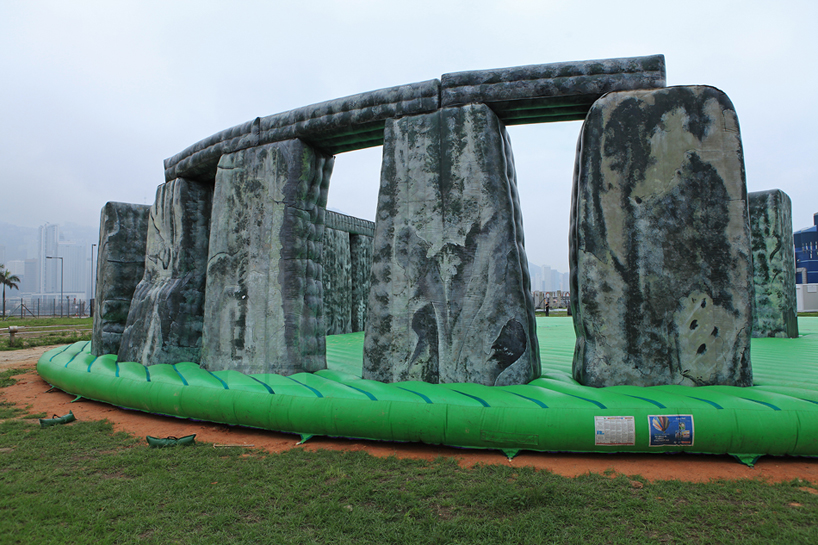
(777,416)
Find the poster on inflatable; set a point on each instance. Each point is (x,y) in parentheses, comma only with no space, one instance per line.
(671,430)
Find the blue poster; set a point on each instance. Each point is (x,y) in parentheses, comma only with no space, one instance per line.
(676,430)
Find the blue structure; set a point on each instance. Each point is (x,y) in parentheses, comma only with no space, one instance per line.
(806,254)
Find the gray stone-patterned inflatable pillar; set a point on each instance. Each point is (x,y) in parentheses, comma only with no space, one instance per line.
(123,229)
(773,264)
(336,282)
(360,249)
(661,270)
(450,299)
(264,295)
(165,318)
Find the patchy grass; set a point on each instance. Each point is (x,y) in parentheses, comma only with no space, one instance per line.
(45,332)
(810,314)
(82,483)
(9,410)
(44,340)
(40,322)
(7,374)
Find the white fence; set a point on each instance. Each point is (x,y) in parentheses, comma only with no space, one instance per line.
(806,296)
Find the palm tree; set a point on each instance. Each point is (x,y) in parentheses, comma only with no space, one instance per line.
(10,280)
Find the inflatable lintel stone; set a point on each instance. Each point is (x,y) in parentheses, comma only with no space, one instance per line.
(165,318)
(123,229)
(661,268)
(350,224)
(263,312)
(773,264)
(450,299)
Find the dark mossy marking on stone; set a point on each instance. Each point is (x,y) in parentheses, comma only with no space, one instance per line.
(269,320)
(361,266)
(773,264)
(424,324)
(442,250)
(509,346)
(171,292)
(593,135)
(704,228)
(120,267)
(623,133)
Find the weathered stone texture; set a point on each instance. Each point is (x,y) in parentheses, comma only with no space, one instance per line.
(264,297)
(337,282)
(522,94)
(165,318)
(450,299)
(773,264)
(347,306)
(343,124)
(123,229)
(360,248)
(542,93)
(661,271)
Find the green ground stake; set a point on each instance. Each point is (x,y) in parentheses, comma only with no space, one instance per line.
(747,459)
(171,441)
(511,453)
(57,420)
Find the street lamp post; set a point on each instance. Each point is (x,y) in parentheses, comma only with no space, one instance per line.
(61,277)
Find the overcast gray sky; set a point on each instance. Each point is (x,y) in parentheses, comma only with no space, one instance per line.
(96,94)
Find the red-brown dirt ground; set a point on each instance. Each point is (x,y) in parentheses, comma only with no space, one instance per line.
(30,392)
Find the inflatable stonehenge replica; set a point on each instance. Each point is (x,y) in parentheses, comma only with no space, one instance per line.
(238,264)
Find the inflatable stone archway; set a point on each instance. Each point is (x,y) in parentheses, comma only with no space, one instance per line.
(233,273)
(255,302)
(229,262)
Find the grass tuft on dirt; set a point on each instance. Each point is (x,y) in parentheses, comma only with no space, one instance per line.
(7,374)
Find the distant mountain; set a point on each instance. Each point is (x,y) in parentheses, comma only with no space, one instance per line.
(534,269)
(20,242)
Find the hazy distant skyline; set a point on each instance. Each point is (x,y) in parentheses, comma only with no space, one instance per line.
(97,94)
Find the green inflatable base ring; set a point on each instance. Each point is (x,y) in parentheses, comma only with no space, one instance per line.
(777,416)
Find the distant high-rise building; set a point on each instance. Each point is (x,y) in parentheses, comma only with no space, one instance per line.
(556,280)
(68,270)
(566,282)
(546,278)
(75,268)
(2,254)
(49,238)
